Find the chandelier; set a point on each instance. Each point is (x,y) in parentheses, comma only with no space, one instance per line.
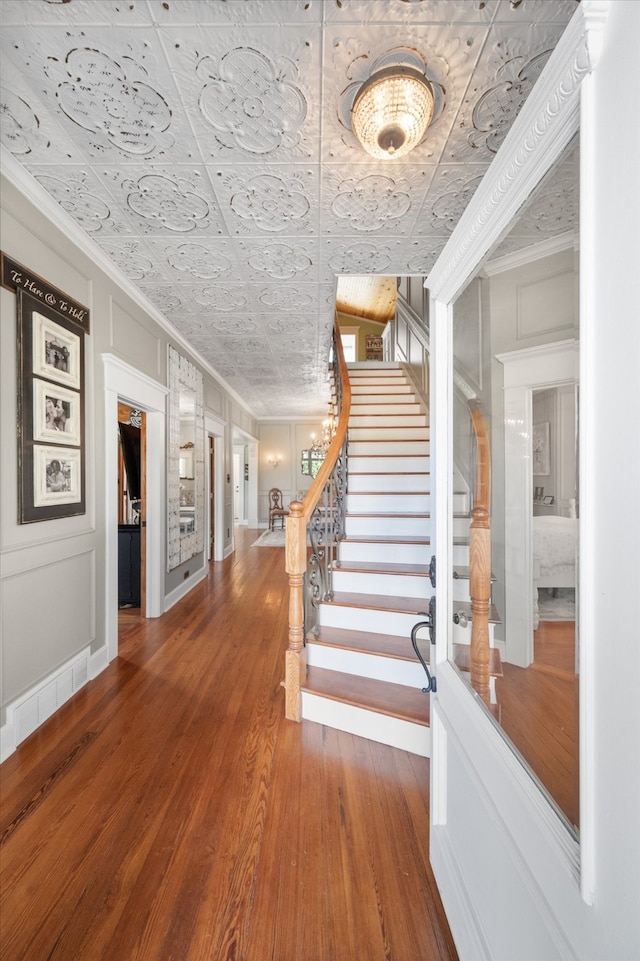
(391,111)
(320,445)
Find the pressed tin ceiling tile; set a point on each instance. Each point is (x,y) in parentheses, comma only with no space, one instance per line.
(206,148)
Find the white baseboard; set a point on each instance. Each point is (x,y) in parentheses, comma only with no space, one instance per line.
(183,589)
(35,706)
(98,662)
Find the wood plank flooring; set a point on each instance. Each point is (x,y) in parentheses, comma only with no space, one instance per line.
(169,812)
(539,712)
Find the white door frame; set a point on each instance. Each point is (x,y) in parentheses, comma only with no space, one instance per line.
(217,429)
(130,385)
(525,371)
(251,499)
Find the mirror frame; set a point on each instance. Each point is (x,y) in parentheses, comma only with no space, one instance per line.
(183,375)
(556,109)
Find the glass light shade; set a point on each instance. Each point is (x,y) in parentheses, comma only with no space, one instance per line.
(391,112)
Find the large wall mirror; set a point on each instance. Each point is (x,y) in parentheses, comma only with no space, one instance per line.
(515,416)
(185,461)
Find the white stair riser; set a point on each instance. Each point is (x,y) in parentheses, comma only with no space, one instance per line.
(460,554)
(396,732)
(362,619)
(397,448)
(387,585)
(460,589)
(377,421)
(388,433)
(408,673)
(393,405)
(399,553)
(400,483)
(369,389)
(460,527)
(381,503)
(364,370)
(461,502)
(384,526)
(389,464)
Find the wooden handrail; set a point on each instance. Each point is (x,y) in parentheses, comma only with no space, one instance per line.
(296,543)
(480,557)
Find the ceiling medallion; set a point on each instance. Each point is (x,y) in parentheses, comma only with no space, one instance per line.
(391,111)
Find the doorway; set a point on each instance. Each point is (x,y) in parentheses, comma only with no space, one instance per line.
(240,479)
(125,384)
(132,443)
(212,497)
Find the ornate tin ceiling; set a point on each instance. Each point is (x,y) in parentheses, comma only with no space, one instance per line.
(205,146)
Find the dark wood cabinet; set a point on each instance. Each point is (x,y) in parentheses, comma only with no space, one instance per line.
(128,565)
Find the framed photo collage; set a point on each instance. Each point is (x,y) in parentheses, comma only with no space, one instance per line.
(50,421)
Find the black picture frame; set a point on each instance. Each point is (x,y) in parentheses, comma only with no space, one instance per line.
(51,459)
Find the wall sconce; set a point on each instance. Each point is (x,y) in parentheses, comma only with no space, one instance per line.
(391,111)
(273,460)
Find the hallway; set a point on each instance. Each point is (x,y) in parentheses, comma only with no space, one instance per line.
(169,812)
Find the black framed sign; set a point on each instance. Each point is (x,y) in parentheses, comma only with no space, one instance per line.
(51,458)
(14,276)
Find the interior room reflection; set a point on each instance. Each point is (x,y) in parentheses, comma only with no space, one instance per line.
(185,488)
(515,362)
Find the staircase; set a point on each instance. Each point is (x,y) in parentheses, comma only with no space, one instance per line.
(363,675)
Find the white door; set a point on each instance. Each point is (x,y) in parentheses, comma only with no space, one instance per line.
(237,488)
(521,878)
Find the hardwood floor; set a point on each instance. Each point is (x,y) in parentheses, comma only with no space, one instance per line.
(539,712)
(169,812)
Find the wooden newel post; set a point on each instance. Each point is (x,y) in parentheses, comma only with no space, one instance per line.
(296,564)
(480,590)
(480,560)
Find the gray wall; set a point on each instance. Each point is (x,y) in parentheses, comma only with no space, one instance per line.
(52,584)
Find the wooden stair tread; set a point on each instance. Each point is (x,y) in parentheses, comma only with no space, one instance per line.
(384,645)
(383,567)
(378,602)
(462,659)
(394,700)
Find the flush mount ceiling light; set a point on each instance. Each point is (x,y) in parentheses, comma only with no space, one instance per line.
(391,111)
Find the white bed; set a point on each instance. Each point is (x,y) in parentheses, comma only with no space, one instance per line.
(554,554)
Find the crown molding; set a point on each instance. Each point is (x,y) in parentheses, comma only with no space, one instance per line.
(17,175)
(546,123)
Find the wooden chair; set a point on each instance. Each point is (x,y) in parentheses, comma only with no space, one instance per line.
(276,508)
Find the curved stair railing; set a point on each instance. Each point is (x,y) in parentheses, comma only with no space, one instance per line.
(480,556)
(321,516)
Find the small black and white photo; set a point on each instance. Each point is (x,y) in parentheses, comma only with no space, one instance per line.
(56,351)
(57,354)
(56,475)
(56,413)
